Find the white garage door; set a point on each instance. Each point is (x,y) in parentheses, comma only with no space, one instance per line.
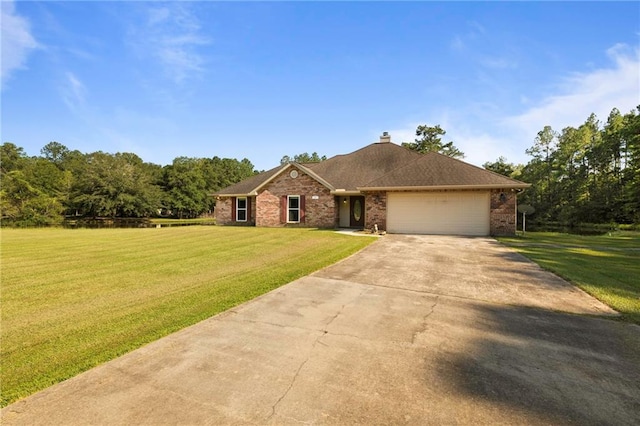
(453,213)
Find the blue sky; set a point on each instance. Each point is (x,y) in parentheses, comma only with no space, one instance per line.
(265,79)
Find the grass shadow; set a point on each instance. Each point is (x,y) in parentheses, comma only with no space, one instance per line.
(565,369)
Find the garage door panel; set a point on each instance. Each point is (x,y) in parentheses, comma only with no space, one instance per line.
(455,213)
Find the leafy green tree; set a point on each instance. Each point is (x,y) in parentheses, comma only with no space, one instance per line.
(429,140)
(186,187)
(540,170)
(55,152)
(38,190)
(114,186)
(588,174)
(189,182)
(305,157)
(32,190)
(22,204)
(222,172)
(501,166)
(12,157)
(630,164)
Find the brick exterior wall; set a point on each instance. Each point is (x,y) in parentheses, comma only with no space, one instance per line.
(375,205)
(224,215)
(503,212)
(323,212)
(222,212)
(319,213)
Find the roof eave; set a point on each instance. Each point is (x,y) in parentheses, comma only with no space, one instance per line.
(344,192)
(250,194)
(439,187)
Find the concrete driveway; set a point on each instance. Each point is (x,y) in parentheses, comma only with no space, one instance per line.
(412,330)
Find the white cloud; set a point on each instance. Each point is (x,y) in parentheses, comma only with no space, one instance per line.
(597,91)
(497,63)
(477,46)
(480,146)
(158,15)
(484,132)
(457,43)
(17,40)
(172,35)
(73,92)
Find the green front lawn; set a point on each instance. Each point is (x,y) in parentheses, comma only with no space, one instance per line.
(607,266)
(75,298)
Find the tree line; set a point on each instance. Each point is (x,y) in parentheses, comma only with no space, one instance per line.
(42,190)
(588,174)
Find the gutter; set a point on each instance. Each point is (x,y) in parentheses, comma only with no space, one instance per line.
(438,187)
(344,192)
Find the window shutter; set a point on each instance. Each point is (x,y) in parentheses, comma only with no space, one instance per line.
(302,215)
(283,209)
(233,209)
(248,209)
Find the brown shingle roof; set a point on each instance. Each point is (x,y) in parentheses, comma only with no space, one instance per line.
(386,166)
(366,164)
(244,187)
(433,170)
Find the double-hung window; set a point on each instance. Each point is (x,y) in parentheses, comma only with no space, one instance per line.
(293,209)
(241,209)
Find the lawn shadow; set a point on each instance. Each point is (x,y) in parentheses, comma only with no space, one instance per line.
(563,368)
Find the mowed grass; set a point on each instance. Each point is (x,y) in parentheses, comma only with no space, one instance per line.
(72,299)
(607,266)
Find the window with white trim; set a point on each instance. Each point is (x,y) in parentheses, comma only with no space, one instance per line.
(241,209)
(293,209)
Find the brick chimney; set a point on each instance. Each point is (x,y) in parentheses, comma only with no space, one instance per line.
(385,138)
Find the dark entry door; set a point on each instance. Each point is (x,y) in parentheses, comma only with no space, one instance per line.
(356,214)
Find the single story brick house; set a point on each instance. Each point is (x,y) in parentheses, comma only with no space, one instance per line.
(383,184)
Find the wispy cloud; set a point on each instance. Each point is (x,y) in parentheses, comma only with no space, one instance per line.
(577,95)
(73,92)
(172,35)
(479,46)
(461,42)
(457,43)
(580,94)
(17,40)
(497,63)
(484,131)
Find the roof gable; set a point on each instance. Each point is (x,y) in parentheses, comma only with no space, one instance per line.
(252,185)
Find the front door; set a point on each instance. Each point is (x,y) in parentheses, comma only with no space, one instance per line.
(356,215)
